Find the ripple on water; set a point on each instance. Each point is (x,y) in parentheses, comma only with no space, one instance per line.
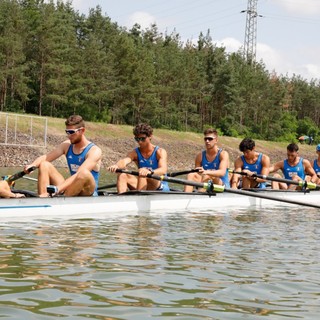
(184,265)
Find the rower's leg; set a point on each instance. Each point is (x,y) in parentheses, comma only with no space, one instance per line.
(48,174)
(83,185)
(193,176)
(125,181)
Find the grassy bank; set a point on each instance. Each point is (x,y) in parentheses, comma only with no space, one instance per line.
(117,140)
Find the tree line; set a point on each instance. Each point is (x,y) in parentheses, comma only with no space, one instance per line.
(56,62)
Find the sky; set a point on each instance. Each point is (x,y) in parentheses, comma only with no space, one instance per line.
(287,30)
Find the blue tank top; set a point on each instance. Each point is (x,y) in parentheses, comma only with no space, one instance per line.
(290,171)
(207,165)
(254,167)
(316,167)
(151,163)
(76,160)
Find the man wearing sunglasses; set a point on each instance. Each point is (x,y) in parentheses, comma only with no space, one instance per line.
(212,163)
(250,163)
(148,158)
(83,158)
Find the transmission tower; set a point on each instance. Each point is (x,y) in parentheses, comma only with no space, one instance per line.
(250,41)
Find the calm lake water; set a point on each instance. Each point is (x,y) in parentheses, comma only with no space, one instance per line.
(182,265)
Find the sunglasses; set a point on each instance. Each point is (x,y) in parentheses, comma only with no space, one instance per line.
(72,131)
(208,138)
(142,139)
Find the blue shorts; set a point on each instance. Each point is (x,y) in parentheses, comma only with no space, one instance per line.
(164,186)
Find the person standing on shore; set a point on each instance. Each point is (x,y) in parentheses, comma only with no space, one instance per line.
(150,159)
(250,163)
(83,158)
(212,163)
(293,168)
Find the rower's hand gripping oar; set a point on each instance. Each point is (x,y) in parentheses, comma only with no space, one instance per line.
(18,175)
(302,183)
(210,187)
(204,185)
(170,174)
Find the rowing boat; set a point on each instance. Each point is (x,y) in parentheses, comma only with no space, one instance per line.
(134,202)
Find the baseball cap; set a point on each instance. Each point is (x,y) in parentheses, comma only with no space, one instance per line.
(318,147)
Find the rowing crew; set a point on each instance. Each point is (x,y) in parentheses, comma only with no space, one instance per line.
(212,164)
(84,162)
(252,166)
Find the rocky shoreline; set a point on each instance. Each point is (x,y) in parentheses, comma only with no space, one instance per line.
(181,154)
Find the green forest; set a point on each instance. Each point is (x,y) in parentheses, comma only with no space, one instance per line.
(55,61)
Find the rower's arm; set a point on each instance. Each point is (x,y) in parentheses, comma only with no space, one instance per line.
(275,167)
(235,177)
(122,163)
(309,170)
(162,162)
(54,154)
(223,166)
(265,167)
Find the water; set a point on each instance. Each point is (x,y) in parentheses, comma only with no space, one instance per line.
(183,265)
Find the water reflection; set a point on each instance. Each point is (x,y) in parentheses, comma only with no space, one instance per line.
(187,265)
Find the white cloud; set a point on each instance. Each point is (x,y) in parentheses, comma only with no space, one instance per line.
(144,19)
(285,64)
(271,58)
(275,60)
(309,7)
(231,44)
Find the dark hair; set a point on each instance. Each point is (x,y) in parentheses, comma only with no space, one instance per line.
(143,128)
(293,147)
(246,144)
(210,130)
(75,120)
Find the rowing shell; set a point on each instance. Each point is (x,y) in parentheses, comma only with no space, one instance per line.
(144,201)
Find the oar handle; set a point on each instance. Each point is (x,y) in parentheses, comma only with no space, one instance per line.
(208,186)
(20,174)
(180,173)
(301,183)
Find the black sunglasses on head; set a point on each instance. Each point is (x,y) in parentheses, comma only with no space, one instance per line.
(140,139)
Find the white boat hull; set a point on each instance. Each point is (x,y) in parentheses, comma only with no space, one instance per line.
(138,202)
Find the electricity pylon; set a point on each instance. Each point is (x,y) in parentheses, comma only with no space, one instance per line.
(250,41)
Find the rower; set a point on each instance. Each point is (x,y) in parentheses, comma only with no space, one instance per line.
(212,163)
(293,168)
(150,159)
(83,159)
(250,164)
(316,164)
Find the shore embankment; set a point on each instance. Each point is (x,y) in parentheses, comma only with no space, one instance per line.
(117,141)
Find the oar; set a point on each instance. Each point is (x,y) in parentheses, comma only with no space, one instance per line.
(210,187)
(302,183)
(18,175)
(171,174)
(180,173)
